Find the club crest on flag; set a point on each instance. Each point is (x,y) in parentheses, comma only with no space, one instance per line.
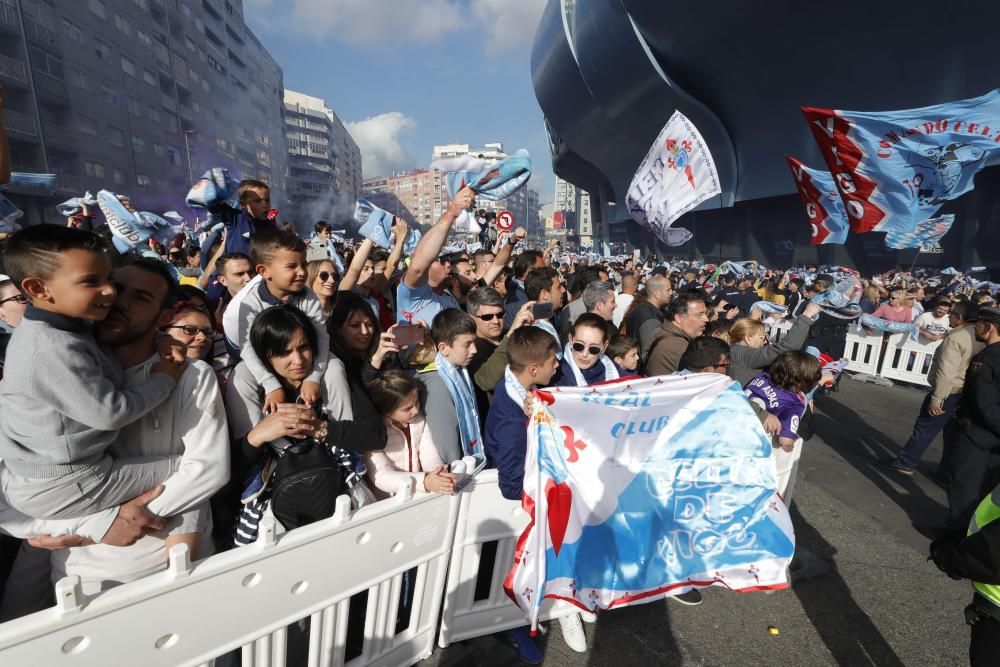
(680,158)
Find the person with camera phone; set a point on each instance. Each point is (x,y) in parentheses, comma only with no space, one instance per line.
(293,461)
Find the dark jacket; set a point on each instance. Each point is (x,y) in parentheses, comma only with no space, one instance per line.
(979,411)
(516,297)
(666,350)
(240,228)
(975,557)
(745,361)
(506,442)
(828,334)
(641,314)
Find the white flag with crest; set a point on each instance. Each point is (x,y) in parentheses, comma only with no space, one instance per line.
(677,175)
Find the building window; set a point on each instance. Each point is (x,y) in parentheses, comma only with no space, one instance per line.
(80,79)
(116,137)
(138,145)
(190,43)
(119,175)
(109,95)
(128,66)
(103,50)
(186,11)
(88,125)
(150,78)
(144,38)
(133,105)
(72,31)
(141,4)
(122,24)
(173,155)
(97,6)
(155,115)
(171,121)
(142,180)
(158,150)
(93,169)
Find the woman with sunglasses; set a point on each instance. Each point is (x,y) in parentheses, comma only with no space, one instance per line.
(321,277)
(584,362)
(749,353)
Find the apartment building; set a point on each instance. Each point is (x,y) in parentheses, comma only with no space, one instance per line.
(138,97)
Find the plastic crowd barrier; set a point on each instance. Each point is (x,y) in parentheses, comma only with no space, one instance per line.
(908,361)
(488,524)
(282,600)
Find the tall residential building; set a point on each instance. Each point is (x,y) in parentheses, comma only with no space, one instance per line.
(417,196)
(523,203)
(138,97)
(324,162)
(575,205)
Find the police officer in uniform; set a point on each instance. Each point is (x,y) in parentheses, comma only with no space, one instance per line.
(975,555)
(971,462)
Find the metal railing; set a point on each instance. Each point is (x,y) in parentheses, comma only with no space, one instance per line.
(19,123)
(50,85)
(40,34)
(12,69)
(8,17)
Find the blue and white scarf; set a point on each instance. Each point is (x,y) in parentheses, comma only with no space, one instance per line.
(459,386)
(74,205)
(843,299)
(9,213)
(871,322)
(768,308)
(215,186)
(546,326)
(492,181)
(515,390)
(376,225)
(132,231)
(610,372)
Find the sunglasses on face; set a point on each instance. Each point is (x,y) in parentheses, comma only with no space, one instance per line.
(593,349)
(488,317)
(325,275)
(192,330)
(17,298)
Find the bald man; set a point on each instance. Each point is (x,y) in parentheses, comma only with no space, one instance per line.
(624,299)
(644,321)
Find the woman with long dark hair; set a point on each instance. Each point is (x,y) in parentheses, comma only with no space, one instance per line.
(285,341)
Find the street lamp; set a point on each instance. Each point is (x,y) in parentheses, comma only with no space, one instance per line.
(187,149)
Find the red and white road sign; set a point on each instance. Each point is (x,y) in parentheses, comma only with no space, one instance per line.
(505,220)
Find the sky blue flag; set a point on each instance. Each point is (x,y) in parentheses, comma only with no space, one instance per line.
(492,181)
(214,187)
(376,224)
(824,206)
(132,231)
(894,169)
(925,235)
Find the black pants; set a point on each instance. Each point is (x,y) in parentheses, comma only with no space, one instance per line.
(971,473)
(984,648)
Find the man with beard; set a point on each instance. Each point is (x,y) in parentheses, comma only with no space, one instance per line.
(191,424)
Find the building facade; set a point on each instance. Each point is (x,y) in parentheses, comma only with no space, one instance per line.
(324,163)
(138,97)
(574,203)
(418,196)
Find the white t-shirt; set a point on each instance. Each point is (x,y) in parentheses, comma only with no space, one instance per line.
(622,302)
(937,326)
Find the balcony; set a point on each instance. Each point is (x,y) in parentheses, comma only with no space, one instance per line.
(39,34)
(19,125)
(60,137)
(8,18)
(69,183)
(12,70)
(50,87)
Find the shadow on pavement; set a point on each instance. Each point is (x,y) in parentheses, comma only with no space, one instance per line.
(623,636)
(859,443)
(848,632)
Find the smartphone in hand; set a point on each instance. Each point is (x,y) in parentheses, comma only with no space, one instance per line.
(541,311)
(405,335)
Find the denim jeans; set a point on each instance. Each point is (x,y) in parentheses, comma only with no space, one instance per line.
(925,429)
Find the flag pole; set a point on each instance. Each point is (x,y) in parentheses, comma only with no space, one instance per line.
(914,261)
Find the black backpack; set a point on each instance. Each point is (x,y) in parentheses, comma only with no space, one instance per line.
(307,480)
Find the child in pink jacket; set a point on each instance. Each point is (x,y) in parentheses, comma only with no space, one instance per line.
(409,451)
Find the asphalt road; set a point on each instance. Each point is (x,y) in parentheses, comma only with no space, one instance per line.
(879,601)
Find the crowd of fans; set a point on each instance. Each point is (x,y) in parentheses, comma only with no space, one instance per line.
(177,394)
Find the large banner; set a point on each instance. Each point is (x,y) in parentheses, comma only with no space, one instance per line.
(895,169)
(637,488)
(677,175)
(824,206)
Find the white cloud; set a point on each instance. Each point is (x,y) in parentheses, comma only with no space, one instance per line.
(378,139)
(505,24)
(509,24)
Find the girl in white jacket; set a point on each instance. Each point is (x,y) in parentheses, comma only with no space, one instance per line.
(409,451)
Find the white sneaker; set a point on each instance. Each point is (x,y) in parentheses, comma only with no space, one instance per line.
(589,617)
(572,632)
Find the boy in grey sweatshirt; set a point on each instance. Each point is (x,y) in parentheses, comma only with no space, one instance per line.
(60,403)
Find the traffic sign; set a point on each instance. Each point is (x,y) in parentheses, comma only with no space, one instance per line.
(505,220)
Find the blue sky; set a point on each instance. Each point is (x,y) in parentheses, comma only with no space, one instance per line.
(405,75)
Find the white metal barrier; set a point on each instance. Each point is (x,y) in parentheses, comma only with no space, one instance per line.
(485,517)
(251,598)
(863,352)
(777,330)
(906,360)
